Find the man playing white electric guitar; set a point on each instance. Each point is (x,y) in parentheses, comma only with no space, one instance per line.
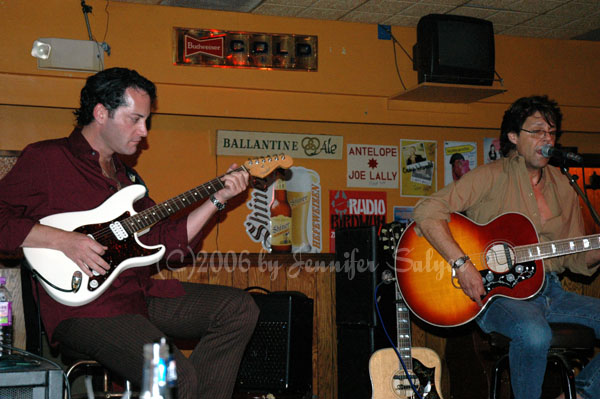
(79,173)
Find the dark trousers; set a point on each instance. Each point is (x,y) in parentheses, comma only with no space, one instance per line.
(222,318)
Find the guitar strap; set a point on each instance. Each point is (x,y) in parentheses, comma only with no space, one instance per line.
(135,177)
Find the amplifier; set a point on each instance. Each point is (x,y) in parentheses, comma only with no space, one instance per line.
(278,357)
(30,380)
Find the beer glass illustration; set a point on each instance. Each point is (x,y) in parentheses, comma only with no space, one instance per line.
(299,189)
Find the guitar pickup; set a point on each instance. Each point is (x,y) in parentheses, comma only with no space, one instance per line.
(118,230)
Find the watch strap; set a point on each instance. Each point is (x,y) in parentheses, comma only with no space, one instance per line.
(459,262)
(218,204)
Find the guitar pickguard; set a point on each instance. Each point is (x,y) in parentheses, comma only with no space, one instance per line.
(117,252)
(423,379)
(510,279)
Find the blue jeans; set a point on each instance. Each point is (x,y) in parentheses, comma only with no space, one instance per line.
(526,323)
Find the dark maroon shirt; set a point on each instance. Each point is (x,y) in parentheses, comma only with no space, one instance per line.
(64,175)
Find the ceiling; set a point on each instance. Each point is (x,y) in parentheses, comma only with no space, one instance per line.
(556,19)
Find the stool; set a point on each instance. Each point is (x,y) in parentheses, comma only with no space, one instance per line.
(79,364)
(76,364)
(570,347)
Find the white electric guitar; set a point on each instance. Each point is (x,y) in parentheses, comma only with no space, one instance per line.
(116,225)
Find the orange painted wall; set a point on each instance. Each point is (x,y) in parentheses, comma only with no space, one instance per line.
(348,95)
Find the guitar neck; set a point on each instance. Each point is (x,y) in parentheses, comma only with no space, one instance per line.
(403,329)
(543,250)
(158,212)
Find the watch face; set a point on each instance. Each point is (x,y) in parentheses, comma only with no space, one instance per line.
(459,262)
(220,206)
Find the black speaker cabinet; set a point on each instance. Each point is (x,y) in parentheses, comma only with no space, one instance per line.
(278,358)
(359,265)
(355,347)
(39,381)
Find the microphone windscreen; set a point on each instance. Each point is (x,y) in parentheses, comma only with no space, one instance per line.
(547,150)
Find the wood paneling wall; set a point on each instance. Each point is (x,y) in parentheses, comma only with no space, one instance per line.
(311,274)
(314,275)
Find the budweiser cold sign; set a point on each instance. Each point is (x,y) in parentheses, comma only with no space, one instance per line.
(217,48)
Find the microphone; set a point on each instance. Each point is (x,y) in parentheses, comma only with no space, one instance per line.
(549,151)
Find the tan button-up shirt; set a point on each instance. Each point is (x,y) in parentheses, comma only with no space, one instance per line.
(504,186)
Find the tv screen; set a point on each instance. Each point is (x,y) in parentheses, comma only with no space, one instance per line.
(454,49)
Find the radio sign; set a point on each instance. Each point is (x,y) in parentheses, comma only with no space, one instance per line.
(350,208)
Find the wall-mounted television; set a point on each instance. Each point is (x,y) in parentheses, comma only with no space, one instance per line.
(454,49)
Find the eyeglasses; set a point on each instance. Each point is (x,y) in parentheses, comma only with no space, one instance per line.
(539,133)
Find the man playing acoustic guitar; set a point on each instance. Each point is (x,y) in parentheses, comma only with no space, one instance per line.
(80,172)
(521,181)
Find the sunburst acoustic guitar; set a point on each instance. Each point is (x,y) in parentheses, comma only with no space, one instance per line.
(506,251)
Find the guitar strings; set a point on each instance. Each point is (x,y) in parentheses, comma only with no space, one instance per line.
(106,232)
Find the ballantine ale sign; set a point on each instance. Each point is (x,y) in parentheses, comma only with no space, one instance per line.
(211,47)
(237,142)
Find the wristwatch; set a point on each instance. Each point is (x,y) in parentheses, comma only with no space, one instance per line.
(459,262)
(220,206)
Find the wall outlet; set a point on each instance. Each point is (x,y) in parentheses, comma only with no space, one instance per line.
(384,32)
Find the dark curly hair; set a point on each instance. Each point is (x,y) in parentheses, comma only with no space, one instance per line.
(523,108)
(108,88)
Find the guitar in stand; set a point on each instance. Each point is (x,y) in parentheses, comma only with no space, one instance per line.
(388,377)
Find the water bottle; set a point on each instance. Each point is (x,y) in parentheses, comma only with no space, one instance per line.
(167,352)
(5,320)
(160,376)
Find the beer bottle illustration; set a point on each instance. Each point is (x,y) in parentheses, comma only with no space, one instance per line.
(281,219)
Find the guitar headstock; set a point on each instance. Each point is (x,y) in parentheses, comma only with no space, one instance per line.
(389,235)
(264,166)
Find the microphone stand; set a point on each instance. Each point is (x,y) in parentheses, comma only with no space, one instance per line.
(573,181)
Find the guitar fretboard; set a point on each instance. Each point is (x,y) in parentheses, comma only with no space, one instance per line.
(152,215)
(527,253)
(403,329)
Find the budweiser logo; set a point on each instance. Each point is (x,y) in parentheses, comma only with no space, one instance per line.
(209,46)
